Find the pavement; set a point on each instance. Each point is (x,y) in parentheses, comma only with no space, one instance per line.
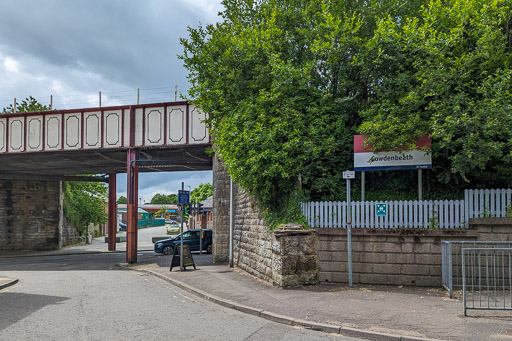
(368,312)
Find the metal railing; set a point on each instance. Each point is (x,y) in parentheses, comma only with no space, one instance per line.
(452,260)
(487,278)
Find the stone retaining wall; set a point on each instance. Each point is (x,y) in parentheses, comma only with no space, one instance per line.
(30,215)
(493,229)
(398,256)
(286,258)
(252,241)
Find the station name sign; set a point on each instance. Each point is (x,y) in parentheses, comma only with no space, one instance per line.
(366,160)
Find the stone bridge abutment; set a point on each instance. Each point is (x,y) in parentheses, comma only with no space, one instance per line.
(31,215)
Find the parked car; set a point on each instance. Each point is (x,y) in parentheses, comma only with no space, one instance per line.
(122,227)
(190,238)
(173,228)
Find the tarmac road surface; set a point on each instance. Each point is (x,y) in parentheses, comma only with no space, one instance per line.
(87,297)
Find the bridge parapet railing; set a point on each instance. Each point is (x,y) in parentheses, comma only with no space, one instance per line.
(137,126)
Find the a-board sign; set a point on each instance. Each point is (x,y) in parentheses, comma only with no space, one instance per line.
(187,258)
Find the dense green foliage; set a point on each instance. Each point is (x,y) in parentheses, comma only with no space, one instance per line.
(28,104)
(122,200)
(201,192)
(162,199)
(447,73)
(84,204)
(288,83)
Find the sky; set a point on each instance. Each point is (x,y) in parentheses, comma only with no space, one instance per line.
(72,50)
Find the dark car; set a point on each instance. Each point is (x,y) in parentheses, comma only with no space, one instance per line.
(122,227)
(190,238)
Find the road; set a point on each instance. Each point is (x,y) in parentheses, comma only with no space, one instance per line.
(87,297)
(144,240)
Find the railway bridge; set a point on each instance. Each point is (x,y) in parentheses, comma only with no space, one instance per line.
(67,144)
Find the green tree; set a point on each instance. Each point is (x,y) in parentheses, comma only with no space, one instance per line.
(287,84)
(28,104)
(201,192)
(122,200)
(173,199)
(162,199)
(84,203)
(447,73)
(283,84)
(161,212)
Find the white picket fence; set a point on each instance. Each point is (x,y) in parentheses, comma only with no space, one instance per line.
(407,214)
(444,214)
(487,202)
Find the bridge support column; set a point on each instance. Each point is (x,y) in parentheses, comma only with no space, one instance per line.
(112,212)
(132,188)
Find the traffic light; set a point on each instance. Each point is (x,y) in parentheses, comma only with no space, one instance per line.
(186,211)
(199,208)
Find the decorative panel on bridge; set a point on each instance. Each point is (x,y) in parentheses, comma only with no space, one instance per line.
(138,126)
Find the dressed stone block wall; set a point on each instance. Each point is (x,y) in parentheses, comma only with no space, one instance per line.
(287,257)
(252,241)
(493,229)
(398,256)
(30,215)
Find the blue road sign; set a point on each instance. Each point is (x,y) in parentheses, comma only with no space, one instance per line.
(183,197)
(381,209)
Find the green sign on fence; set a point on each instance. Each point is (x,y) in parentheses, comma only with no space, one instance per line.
(381,209)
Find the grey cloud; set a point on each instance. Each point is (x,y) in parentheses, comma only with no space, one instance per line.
(125,41)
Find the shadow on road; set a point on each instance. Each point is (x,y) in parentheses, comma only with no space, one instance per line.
(16,306)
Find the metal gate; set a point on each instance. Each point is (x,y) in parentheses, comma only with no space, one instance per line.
(487,278)
(452,260)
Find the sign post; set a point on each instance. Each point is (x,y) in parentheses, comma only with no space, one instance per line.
(348,175)
(183,199)
(420,184)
